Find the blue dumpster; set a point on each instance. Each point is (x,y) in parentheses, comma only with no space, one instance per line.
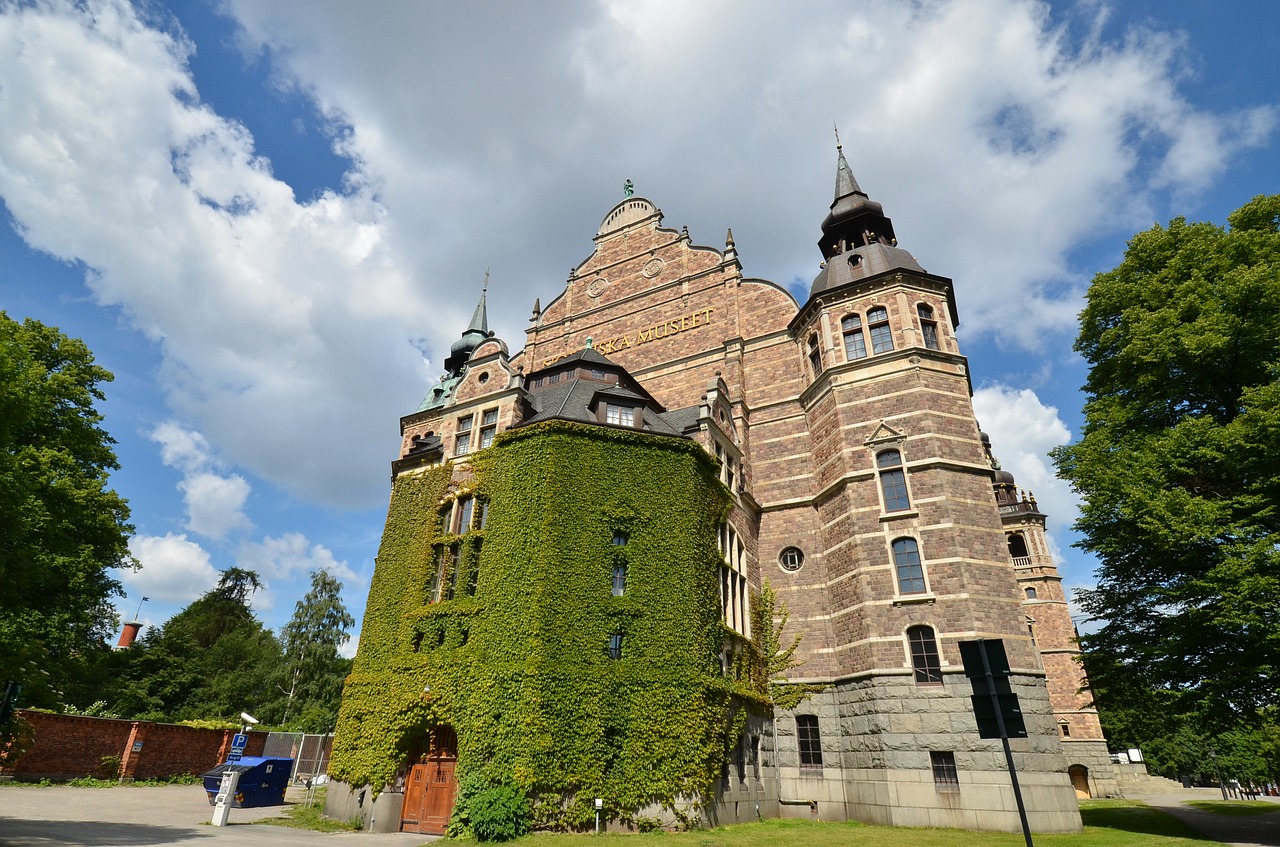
(263,780)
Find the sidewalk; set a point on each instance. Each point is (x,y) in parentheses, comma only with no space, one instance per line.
(126,816)
(1240,830)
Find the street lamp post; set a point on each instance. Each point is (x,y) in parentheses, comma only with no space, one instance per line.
(1222,783)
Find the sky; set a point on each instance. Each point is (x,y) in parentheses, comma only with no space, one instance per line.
(271,219)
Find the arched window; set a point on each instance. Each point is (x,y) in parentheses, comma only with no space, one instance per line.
(881,336)
(906,561)
(1018,546)
(855,344)
(893,481)
(928,326)
(815,356)
(925,660)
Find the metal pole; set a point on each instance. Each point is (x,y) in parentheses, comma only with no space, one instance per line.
(1222,783)
(1004,739)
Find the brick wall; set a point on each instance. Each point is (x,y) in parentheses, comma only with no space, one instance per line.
(70,746)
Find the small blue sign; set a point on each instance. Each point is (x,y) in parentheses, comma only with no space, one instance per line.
(239,741)
(234,756)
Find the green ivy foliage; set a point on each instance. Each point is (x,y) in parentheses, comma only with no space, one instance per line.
(521,670)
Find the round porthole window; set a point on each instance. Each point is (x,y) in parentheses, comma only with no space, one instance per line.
(791,559)
(484,377)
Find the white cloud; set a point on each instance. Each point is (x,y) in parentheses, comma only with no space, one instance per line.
(288,556)
(1023,430)
(215,504)
(997,142)
(174,569)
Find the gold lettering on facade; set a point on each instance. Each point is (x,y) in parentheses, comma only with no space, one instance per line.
(684,323)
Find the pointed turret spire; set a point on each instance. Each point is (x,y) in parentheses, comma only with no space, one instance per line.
(846,184)
(855,219)
(480,318)
(476,332)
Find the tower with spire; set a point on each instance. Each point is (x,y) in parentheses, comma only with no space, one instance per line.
(840,435)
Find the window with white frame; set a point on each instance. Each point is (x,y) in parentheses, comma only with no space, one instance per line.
(908,567)
(488,428)
(855,343)
(881,335)
(734,589)
(462,442)
(893,481)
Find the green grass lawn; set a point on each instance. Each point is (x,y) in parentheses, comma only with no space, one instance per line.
(302,816)
(1108,823)
(1236,807)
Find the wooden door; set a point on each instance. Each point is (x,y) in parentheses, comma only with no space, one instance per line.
(432,786)
(414,791)
(437,801)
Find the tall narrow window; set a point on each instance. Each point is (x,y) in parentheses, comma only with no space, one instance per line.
(928,326)
(893,481)
(455,559)
(473,581)
(462,444)
(815,356)
(615,646)
(855,344)
(619,579)
(810,741)
(945,775)
(881,335)
(438,573)
(924,655)
(488,428)
(906,560)
(466,509)
(484,513)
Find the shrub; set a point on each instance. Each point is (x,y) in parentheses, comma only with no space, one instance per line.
(500,813)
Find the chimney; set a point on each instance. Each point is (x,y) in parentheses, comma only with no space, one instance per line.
(129,635)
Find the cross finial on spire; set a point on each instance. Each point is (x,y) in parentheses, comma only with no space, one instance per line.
(839,146)
(484,289)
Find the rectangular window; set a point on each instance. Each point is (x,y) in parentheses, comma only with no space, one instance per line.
(620,415)
(466,508)
(455,559)
(484,513)
(489,428)
(552,379)
(906,560)
(855,345)
(945,775)
(619,580)
(474,580)
(462,445)
(894,485)
(810,741)
(930,331)
(615,646)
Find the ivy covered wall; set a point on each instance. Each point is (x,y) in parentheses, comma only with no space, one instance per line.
(521,669)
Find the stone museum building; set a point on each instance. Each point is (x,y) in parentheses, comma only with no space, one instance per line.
(572,593)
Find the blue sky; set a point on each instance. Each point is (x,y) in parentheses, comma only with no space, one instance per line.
(270,220)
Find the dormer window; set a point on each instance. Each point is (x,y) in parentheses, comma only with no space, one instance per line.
(619,415)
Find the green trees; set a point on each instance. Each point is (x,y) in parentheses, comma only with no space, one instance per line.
(313,669)
(214,659)
(1179,466)
(61,528)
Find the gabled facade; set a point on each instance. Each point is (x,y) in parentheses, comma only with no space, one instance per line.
(841,463)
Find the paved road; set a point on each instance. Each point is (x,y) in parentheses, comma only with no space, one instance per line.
(1240,830)
(127,816)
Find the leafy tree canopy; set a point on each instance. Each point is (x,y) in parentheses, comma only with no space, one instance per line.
(314,671)
(214,659)
(61,528)
(1179,464)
